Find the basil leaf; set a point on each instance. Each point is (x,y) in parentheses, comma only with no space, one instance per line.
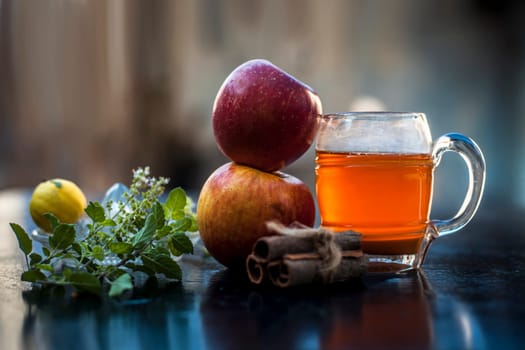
(108,222)
(154,221)
(77,248)
(84,281)
(120,285)
(98,252)
(53,220)
(33,276)
(96,212)
(34,258)
(141,268)
(63,236)
(179,244)
(158,215)
(46,251)
(120,247)
(176,200)
(183,224)
(44,267)
(162,263)
(163,232)
(24,242)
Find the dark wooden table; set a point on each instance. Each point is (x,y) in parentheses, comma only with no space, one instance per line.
(470,295)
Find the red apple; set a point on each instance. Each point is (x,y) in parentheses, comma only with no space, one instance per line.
(236,202)
(263,117)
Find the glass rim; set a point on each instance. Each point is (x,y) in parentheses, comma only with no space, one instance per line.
(378,115)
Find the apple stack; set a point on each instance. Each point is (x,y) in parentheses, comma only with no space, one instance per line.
(263,120)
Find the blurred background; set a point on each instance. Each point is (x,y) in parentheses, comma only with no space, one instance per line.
(91,89)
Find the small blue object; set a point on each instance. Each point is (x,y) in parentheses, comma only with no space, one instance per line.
(115,193)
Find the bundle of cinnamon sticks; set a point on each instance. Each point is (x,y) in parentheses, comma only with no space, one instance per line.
(299,256)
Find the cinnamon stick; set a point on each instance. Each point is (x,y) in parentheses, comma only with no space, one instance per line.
(302,255)
(300,267)
(272,247)
(255,268)
(291,271)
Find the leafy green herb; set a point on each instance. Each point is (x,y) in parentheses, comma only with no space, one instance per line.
(120,285)
(24,242)
(137,234)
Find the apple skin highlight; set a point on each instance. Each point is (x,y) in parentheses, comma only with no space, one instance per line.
(236,202)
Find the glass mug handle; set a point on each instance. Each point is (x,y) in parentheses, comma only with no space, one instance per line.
(472,155)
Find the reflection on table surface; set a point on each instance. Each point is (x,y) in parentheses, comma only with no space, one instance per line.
(378,312)
(468,297)
(394,313)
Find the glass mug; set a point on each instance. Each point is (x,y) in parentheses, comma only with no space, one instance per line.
(374,175)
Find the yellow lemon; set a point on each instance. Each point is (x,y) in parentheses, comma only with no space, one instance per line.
(60,197)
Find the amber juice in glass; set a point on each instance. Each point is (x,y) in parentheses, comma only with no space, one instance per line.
(384,196)
(374,175)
